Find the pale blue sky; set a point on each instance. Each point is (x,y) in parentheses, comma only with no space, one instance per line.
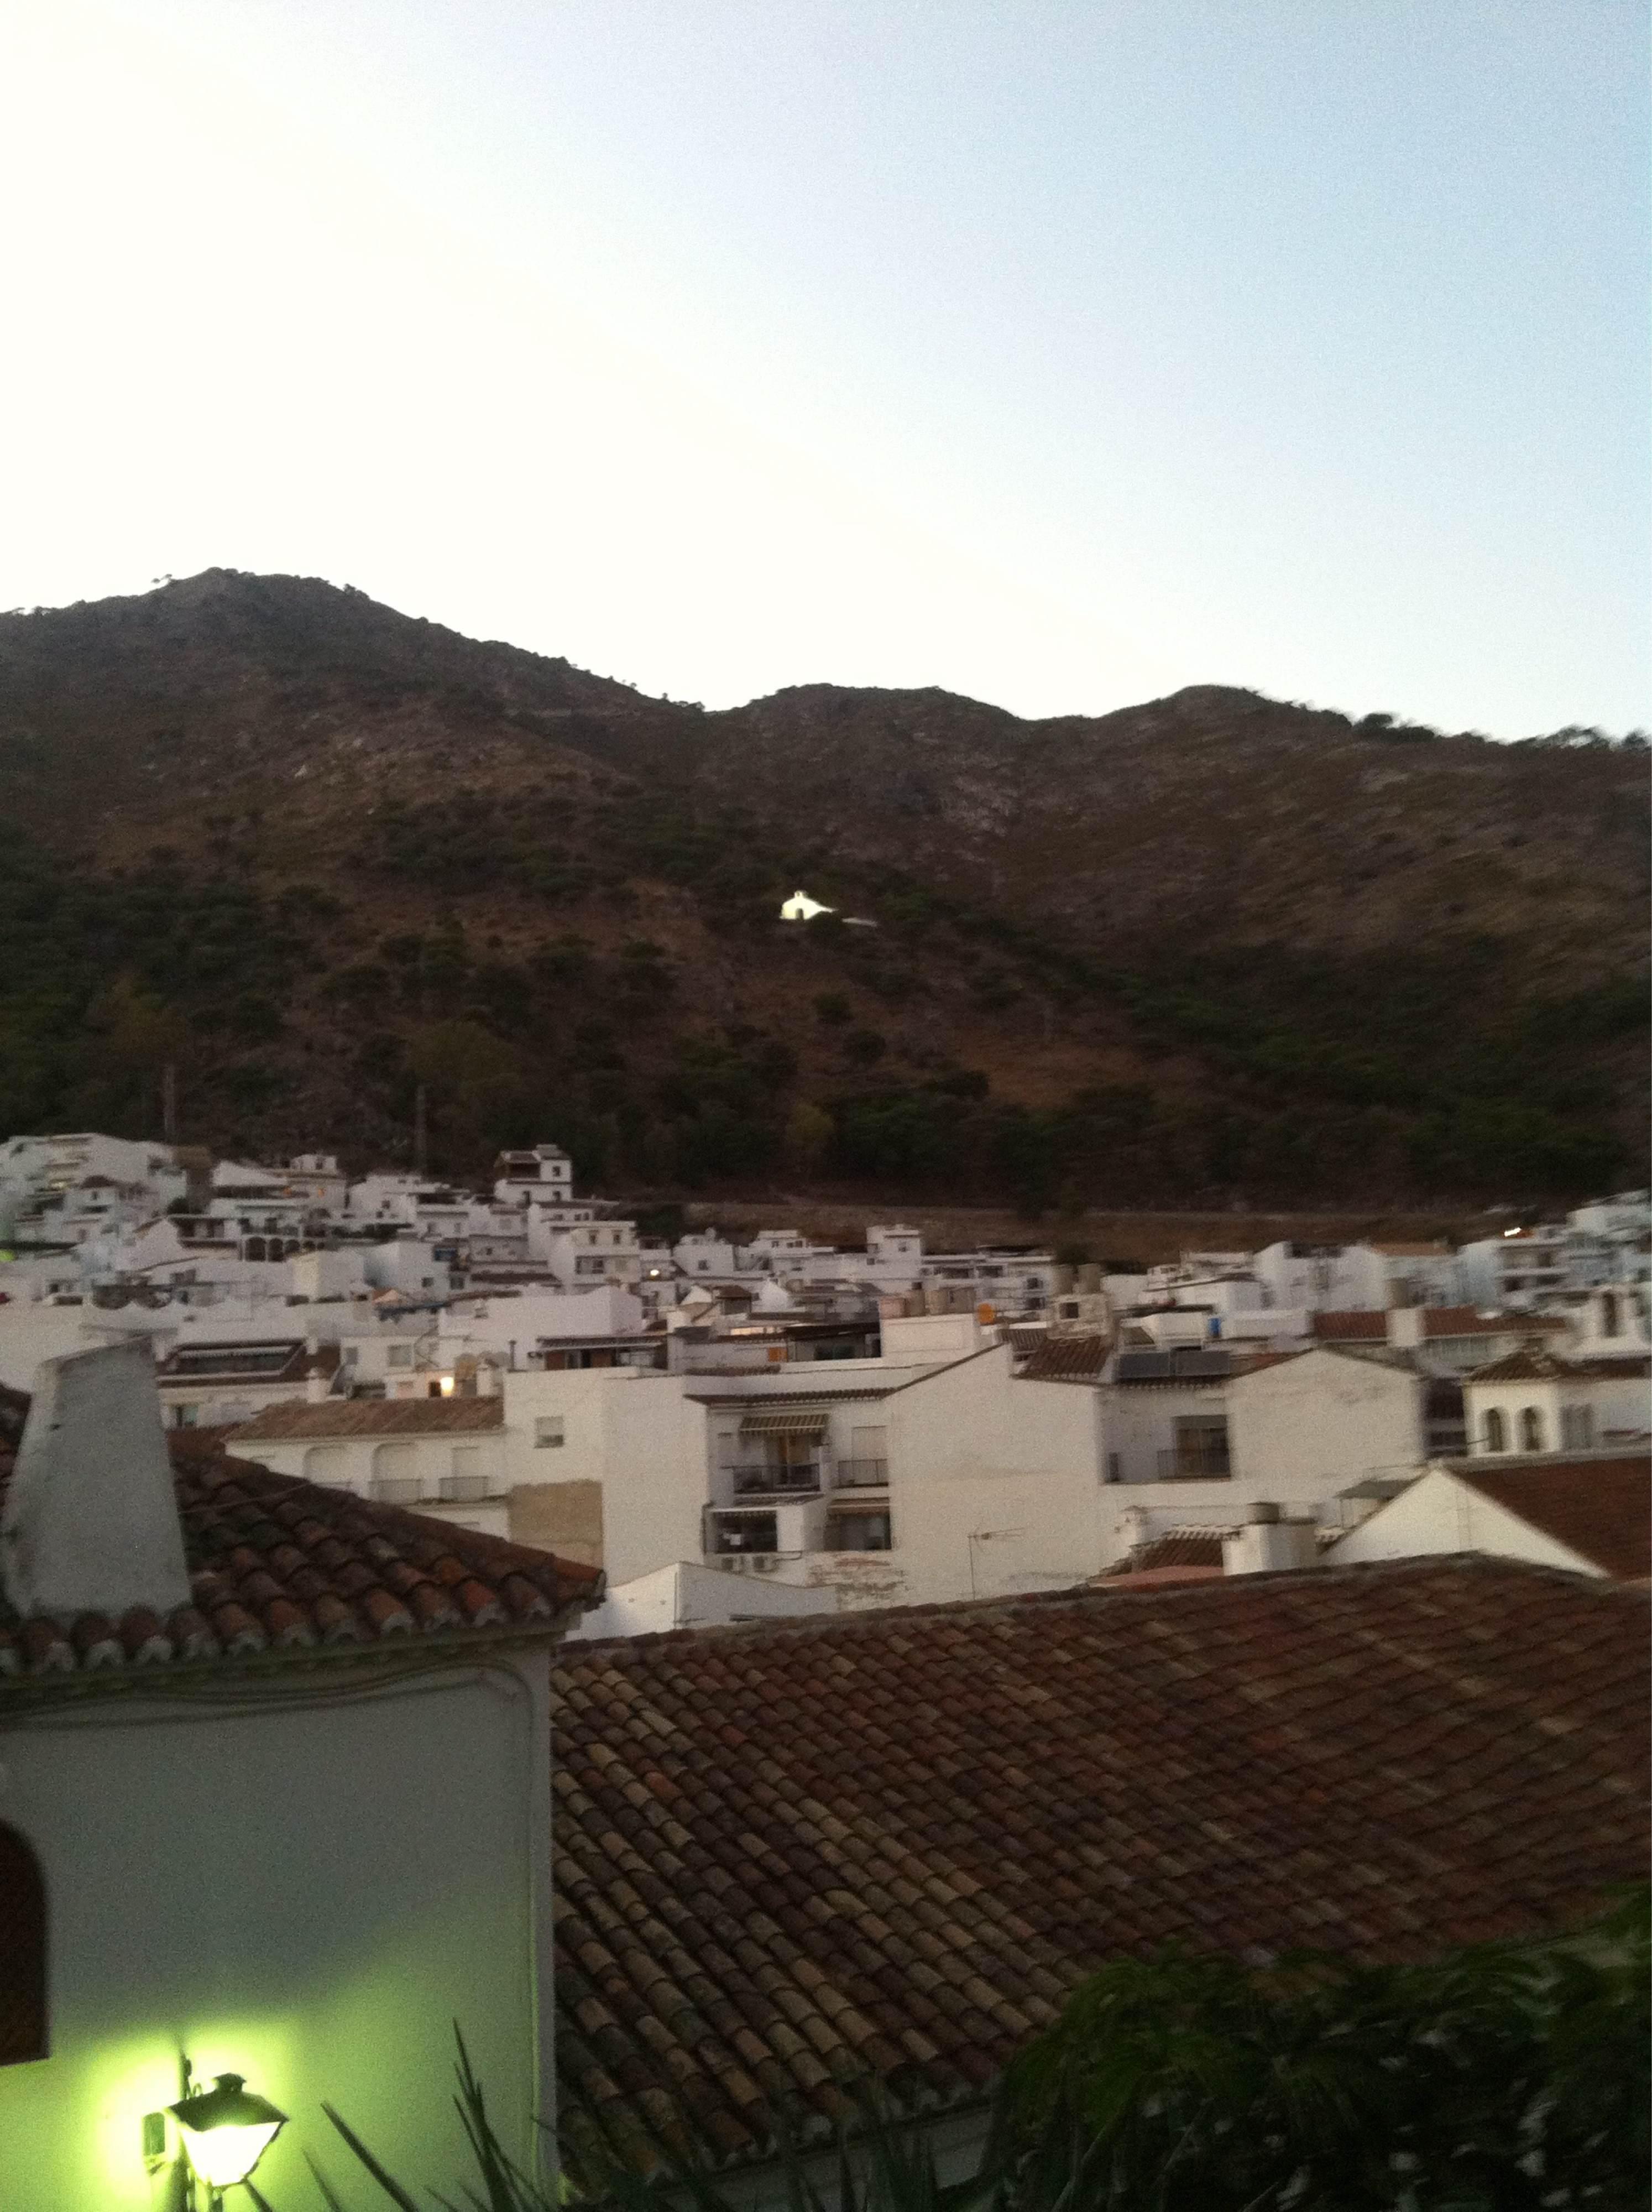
(1059,354)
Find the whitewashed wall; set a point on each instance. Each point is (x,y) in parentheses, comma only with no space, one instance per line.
(303,1885)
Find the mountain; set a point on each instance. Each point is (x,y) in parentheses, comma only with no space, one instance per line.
(314,854)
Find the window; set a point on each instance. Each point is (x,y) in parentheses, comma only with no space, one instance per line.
(396,1480)
(867,1465)
(548,1432)
(1202,1450)
(468,1479)
(22,1952)
(1531,1429)
(1577,1428)
(399,1355)
(185,1417)
(858,1532)
(1608,1315)
(742,1531)
(1496,1433)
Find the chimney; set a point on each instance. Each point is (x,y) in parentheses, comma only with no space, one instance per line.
(315,1388)
(1405,1328)
(91,1517)
(1268,1544)
(487,1379)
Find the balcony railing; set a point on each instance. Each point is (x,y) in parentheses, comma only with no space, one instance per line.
(765,1478)
(399,1490)
(861,1474)
(1195,1463)
(455,1487)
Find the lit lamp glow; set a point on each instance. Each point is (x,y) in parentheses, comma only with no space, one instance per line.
(227,2131)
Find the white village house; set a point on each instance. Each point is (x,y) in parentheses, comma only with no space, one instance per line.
(274,1782)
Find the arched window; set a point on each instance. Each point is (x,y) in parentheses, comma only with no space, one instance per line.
(1496,1436)
(255,1248)
(1609,1314)
(1531,1429)
(22,1952)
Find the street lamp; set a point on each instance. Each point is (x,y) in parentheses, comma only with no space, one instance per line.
(225,2131)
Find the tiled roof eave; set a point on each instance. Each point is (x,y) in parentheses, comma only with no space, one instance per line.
(451,1645)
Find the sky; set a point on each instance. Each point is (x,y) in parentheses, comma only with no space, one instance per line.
(1058,352)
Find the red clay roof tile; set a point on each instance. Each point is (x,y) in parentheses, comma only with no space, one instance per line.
(1066,1359)
(371,1416)
(885,1846)
(276,1563)
(1602,1508)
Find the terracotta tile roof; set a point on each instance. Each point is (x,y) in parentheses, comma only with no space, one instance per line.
(1066,1359)
(280,1566)
(1602,1508)
(1535,1363)
(887,1845)
(1177,1547)
(1469,1321)
(1368,1326)
(1351,1328)
(373,1417)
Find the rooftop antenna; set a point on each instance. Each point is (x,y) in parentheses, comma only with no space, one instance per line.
(420,1139)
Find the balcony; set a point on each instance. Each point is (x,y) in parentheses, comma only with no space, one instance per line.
(399,1489)
(729,1535)
(861,1474)
(1195,1463)
(461,1488)
(767,1478)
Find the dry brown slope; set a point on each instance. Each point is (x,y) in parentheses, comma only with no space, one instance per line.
(1277,870)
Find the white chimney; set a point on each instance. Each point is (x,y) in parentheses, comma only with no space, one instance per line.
(91,1518)
(1405,1328)
(487,1379)
(315,1388)
(1268,1544)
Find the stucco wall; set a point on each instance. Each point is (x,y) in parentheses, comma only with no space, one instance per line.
(307,1889)
(564,1517)
(1139,1420)
(1438,1513)
(1303,1430)
(993,1482)
(634,1434)
(1616,1403)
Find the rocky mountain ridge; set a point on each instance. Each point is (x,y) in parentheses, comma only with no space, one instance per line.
(318,853)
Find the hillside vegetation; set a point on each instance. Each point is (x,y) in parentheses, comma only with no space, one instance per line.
(316,853)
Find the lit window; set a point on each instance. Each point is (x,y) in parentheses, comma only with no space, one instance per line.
(548,1432)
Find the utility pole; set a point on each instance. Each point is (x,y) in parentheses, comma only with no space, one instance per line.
(421,1140)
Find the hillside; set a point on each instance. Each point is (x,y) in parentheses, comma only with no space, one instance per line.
(314,853)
